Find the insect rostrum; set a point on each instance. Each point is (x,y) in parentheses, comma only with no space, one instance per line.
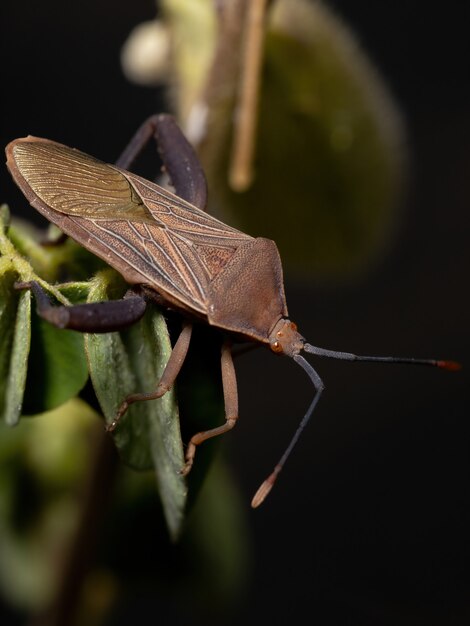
(171,251)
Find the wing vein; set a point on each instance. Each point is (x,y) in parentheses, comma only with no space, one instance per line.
(128,261)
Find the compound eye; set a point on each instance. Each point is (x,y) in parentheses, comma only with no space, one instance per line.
(276,347)
(293,326)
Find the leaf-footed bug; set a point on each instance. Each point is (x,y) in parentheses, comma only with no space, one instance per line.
(172,252)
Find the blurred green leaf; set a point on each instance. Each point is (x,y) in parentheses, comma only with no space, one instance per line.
(329,155)
(219,533)
(52,261)
(133,361)
(43,464)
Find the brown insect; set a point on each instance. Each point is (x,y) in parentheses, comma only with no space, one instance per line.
(173,253)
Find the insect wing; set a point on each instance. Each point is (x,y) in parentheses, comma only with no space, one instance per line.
(145,232)
(69,181)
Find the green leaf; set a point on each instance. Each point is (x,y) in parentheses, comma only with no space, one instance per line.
(133,361)
(57,368)
(15,311)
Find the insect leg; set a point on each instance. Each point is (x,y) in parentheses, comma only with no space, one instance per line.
(95,317)
(178,156)
(229,383)
(168,378)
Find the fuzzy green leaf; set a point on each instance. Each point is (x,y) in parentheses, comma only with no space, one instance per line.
(15,334)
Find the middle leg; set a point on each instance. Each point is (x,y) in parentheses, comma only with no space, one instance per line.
(167,380)
(229,384)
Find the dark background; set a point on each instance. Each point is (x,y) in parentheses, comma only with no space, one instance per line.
(369,523)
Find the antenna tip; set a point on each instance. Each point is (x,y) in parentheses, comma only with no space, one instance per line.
(451,366)
(263,491)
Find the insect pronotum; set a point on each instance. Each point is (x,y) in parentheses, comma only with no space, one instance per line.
(172,252)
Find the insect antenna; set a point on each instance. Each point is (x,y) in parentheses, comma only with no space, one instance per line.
(348,356)
(268,484)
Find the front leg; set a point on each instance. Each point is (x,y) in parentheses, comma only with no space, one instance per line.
(95,317)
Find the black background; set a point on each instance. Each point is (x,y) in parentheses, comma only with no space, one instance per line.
(370,521)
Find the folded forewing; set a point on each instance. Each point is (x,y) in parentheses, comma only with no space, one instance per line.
(72,182)
(161,259)
(138,227)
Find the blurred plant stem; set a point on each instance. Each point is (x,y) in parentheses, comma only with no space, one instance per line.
(246,108)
